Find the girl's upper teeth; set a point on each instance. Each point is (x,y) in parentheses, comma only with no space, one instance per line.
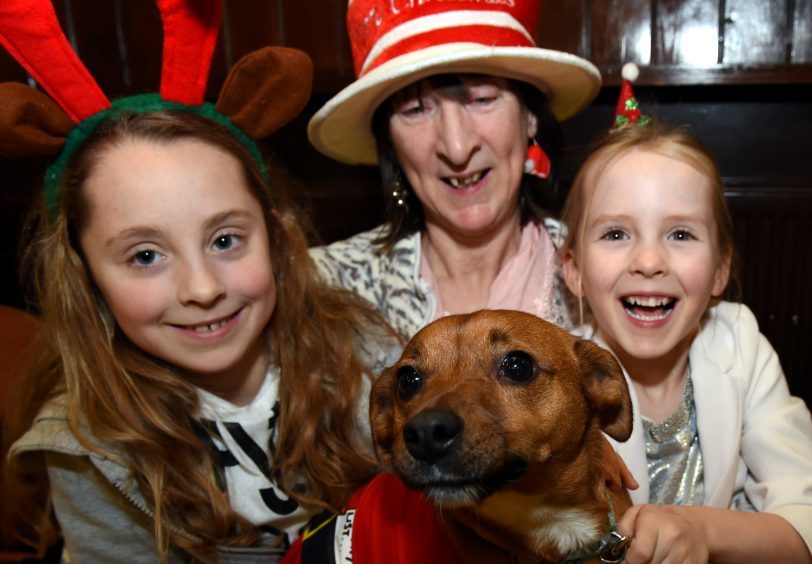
(457,182)
(648,301)
(209,326)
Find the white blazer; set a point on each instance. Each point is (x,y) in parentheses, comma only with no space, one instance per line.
(753,435)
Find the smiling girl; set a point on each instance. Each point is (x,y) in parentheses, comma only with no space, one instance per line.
(649,251)
(202,391)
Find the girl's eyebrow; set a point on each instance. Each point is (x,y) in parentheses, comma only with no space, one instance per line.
(140,232)
(146,232)
(608,217)
(226,216)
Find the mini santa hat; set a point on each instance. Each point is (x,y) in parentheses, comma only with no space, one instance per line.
(627,110)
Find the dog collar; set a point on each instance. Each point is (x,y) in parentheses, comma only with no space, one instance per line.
(611,548)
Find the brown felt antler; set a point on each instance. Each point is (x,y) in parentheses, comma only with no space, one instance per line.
(263,91)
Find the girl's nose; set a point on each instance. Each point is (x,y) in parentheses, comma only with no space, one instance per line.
(457,138)
(200,284)
(649,259)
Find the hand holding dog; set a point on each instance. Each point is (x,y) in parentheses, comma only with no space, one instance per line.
(699,534)
(617,474)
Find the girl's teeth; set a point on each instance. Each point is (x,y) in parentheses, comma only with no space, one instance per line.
(465,182)
(210,327)
(653,316)
(645,308)
(648,302)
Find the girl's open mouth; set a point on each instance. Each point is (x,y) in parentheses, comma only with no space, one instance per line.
(648,308)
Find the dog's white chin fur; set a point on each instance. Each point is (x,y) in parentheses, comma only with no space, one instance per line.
(450,497)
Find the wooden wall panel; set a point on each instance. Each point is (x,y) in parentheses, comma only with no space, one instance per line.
(755,32)
(563,26)
(320,30)
(141,38)
(10,69)
(802,32)
(774,238)
(685,32)
(620,31)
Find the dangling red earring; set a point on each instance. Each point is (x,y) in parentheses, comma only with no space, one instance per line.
(537,162)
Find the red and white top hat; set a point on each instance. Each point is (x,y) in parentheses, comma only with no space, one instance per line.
(398,42)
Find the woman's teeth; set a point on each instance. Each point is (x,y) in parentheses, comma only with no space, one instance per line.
(457,182)
(648,308)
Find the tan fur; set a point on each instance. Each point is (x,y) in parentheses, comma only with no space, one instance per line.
(552,421)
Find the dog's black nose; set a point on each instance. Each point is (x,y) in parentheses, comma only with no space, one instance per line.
(431,434)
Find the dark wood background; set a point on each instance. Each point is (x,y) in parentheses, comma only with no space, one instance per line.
(739,72)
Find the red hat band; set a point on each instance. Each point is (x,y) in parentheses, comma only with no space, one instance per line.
(381,30)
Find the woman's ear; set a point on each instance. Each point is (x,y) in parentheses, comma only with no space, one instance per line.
(572,274)
(722,276)
(532,125)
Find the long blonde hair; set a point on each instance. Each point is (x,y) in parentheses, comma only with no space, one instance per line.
(124,403)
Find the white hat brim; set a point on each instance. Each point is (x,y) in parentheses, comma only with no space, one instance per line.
(342,128)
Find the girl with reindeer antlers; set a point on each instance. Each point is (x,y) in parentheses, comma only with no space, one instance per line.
(197,393)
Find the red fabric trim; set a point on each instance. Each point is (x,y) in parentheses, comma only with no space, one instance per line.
(396,525)
(369,20)
(190,35)
(486,35)
(30,31)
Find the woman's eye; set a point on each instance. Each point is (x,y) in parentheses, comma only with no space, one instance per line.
(483,100)
(412,110)
(226,242)
(146,258)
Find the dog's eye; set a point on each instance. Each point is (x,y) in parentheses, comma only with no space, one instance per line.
(409,382)
(517,366)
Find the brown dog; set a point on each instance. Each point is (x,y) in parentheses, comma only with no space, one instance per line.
(497,417)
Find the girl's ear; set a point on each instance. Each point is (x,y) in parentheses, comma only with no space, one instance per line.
(572,275)
(722,273)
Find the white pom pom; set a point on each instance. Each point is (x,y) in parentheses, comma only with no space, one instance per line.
(630,72)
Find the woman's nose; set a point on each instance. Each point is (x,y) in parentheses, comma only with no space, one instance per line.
(200,283)
(457,139)
(649,259)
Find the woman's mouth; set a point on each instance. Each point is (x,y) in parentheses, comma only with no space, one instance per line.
(648,308)
(459,182)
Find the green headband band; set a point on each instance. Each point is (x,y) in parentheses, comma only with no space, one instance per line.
(140,104)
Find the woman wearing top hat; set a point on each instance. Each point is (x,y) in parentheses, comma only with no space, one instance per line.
(460,111)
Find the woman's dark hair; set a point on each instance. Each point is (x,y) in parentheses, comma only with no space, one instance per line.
(536,194)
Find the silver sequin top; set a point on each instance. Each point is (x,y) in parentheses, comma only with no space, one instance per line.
(674,459)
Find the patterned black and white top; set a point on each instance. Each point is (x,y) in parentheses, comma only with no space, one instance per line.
(243,436)
(391,281)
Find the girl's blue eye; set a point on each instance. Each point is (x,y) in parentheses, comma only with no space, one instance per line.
(682,235)
(146,258)
(226,242)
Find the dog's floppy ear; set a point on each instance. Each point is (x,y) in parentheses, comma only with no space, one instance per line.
(381,416)
(606,389)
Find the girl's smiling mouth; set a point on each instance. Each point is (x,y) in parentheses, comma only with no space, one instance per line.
(648,308)
(210,326)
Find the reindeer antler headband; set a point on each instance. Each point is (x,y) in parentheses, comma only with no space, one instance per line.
(262,92)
